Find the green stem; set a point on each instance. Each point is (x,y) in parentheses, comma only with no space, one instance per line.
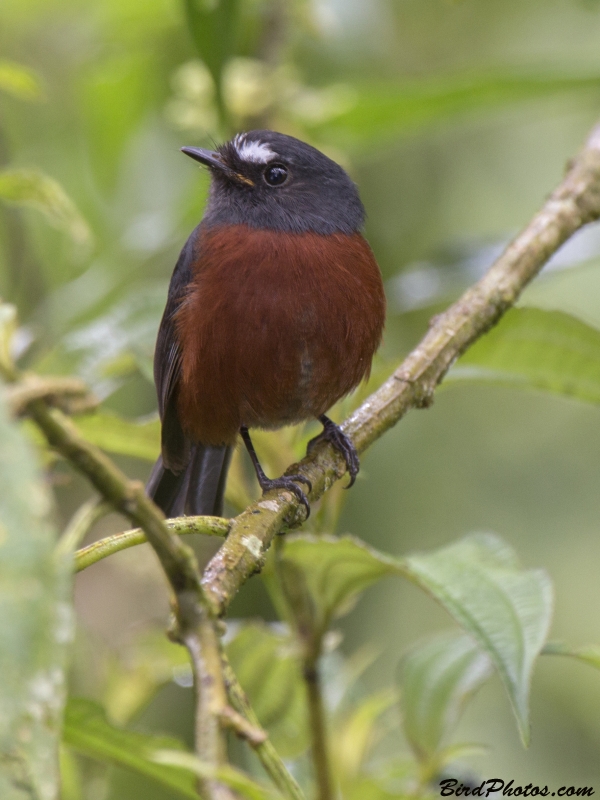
(320,749)
(209,526)
(81,522)
(268,755)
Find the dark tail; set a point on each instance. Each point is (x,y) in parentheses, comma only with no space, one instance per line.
(199,489)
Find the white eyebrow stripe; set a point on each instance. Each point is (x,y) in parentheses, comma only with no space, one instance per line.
(259,152)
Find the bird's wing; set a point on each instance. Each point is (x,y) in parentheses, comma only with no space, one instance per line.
(167,365)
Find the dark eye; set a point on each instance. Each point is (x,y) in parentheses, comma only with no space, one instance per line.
(276,174)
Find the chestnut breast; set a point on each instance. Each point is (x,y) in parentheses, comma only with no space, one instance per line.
(275,328)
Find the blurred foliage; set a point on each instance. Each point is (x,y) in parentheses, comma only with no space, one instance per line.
(19,81)
(87,731)
(455,119)
(36,625)
(33,189)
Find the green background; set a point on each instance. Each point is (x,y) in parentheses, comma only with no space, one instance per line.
(444,188)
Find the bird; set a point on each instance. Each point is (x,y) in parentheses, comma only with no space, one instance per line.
(275,310)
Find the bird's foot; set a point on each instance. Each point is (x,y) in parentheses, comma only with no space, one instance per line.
(333,434)
(287,482)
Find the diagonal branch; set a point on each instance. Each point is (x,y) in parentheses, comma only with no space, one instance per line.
(196,627)
(574,203)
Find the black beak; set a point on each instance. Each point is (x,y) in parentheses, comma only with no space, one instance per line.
(214,160)
(207,157)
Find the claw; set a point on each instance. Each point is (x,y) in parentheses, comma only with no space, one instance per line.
(333,434)
(287,482)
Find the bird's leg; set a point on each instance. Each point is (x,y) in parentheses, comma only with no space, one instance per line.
(285,482)
(333,434)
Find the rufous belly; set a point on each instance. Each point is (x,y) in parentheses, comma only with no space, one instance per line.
(275,329)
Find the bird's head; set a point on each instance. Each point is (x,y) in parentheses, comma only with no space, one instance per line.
(269,180)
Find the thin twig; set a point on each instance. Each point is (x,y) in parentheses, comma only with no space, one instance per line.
(209,526)
(202,642)
(573,204)
(66,393)
(80,523)
(319,740)
(268,755)
(240,726)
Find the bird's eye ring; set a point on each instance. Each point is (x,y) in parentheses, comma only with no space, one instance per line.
(275,174)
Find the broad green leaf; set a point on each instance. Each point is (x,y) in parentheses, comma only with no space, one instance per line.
(589,654)
(264,660)
(382,112)
(33,189)
(436,680)
(87,731)
(231,776)
(507,609)
(323,575)
(116,434)
(531,347)
(36,626)
(19,81)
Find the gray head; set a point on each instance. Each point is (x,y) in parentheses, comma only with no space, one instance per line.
(269,180)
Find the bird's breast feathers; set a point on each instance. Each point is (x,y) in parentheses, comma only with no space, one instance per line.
(275,327)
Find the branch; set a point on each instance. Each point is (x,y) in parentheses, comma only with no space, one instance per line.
(573,204)
(209,526)
(267,754)
(196,624)
(321,758)
(70,394)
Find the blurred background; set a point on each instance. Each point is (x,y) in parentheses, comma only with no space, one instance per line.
(456,119)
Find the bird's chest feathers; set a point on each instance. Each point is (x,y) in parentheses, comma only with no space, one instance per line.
(269,284)
(285,322)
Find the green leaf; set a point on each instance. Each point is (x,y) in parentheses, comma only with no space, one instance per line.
(507,609)
(436,680)
(355,736)
(322,577)
(478,580)
(381,113)
(265,662)
(36,626)
(213,25)
(87,731)
(231,776)
(33,189)
(118,435)
(589,654)
(19,81)
(146,663)
(533,348)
